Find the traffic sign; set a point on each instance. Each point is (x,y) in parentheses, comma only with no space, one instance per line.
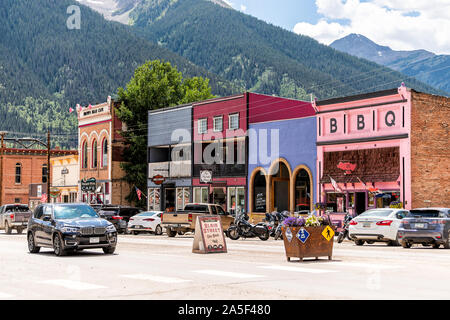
(288,234)
(302,235)
(328,233)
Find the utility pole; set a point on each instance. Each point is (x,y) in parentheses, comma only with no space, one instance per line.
(2,134)
(48,166)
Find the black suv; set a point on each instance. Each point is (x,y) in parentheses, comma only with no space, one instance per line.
(68,228)
(118,215)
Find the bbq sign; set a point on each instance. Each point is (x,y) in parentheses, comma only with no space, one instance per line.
(347,167)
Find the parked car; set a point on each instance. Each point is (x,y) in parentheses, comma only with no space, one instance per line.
(180,222)
(118,215)
(427,226)
(148,221)
(69,227)
(377,225)
(14,216)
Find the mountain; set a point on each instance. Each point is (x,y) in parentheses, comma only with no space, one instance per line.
(421,64)
(45,67)
(258,56)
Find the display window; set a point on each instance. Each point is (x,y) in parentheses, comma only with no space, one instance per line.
(336,202)
(154,196)
(201,195)
(236,199)
(183,197)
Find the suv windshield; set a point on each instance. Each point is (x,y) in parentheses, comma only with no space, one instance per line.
(74,211)
(376,213)
(426,213)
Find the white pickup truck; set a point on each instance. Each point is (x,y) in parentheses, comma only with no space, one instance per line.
(14,216)
(184,221)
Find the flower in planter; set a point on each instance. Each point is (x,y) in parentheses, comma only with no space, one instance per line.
(294,222)
(312,221)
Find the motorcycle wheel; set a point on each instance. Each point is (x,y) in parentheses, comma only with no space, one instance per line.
(233,233)
(340,237)
(264,236)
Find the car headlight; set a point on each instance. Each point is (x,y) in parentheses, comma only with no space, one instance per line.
(70,230)
(111,228)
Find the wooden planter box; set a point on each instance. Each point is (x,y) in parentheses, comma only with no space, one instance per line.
(315,246)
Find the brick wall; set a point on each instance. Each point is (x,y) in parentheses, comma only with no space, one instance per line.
(31,172)
(430,150)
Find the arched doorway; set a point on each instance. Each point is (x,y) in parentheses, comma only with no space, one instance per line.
(258,191)
(302,189)
(280,177)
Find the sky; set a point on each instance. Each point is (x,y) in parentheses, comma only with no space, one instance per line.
(399,24)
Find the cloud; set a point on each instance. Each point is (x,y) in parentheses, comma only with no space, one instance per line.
(400,24)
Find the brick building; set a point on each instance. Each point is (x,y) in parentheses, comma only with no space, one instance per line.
(100,148)
(22,168)
(383,149)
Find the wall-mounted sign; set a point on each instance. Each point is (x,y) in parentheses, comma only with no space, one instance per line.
(209,236)
(54,192)
(347,167)
(88,185)
(158,179)
(205,176)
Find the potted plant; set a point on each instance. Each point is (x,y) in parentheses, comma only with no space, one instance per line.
(308,237)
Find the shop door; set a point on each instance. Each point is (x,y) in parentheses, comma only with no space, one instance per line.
(360,204)
(169,199)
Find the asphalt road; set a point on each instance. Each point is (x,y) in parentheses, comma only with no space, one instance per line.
(158,267)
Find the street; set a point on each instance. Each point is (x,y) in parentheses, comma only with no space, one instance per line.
(158,267)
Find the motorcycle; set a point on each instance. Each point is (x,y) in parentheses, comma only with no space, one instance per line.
(243,228)
(277,234)
(344,232)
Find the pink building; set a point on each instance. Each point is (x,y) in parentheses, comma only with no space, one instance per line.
(371,151)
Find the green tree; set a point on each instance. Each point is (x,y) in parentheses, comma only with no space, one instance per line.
(154,85)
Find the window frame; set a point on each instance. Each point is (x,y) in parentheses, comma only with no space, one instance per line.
(229,121)
(199,126)
(19,175)
(221,123)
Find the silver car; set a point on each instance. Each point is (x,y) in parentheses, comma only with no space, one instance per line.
(427,226)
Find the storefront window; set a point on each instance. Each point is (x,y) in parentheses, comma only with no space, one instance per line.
(336,202)
(388,199)
(201,195)
(154,199)
(236,199)
(183,195)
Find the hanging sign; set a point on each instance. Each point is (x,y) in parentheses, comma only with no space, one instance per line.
(88,185)
(302,235)
(209,236)
(205,176)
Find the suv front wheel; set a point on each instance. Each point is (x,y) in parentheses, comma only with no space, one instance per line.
(31,244)
(58,246)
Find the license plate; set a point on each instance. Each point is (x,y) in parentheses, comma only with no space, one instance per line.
(420,225)
(94,240)
(366,224)
(137,227)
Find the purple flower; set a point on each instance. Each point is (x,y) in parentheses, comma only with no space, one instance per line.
(294,222)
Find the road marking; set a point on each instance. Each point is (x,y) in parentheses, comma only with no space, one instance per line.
(229,274)
(5,295)
(74,285)
(364,265)
(150,277)
(296,269)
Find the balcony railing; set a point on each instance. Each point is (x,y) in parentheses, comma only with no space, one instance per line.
(170,169)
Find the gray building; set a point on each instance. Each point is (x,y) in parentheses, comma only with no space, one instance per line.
(169,158)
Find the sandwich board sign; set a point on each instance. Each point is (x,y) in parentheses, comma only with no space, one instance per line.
(209,236)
